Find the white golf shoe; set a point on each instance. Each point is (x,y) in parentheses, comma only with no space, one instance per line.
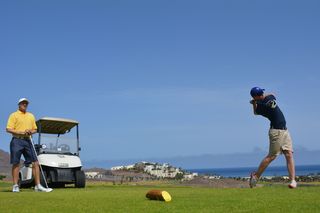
(293,184)
(15,188)
(253,180)
(39,188)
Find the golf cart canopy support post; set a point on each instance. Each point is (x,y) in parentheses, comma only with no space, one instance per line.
(78,142)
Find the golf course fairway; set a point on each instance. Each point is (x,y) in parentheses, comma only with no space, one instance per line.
(103,197)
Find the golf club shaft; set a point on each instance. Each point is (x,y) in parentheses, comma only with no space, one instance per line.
(34,149)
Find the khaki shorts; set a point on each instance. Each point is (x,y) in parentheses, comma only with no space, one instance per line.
(280,140)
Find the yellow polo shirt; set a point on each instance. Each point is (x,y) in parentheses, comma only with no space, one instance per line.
(21,121)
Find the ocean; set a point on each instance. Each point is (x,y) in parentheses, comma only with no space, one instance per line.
(270,171)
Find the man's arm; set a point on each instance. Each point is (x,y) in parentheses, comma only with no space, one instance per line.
(268,94)
(31,131)
(11,127)
(28,132)
(254,106)
(15,132)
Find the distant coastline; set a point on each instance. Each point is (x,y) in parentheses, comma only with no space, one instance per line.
(232,160)
(272,171)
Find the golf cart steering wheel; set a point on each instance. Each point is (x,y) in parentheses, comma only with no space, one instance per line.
(64,147)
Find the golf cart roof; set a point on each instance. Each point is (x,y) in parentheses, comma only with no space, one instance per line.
(50,125)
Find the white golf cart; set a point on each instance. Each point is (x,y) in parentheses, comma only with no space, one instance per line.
(58,154)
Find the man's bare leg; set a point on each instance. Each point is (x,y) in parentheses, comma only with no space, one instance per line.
(264,164)
(254,177)
(290,164)
(15,173)
(36,172)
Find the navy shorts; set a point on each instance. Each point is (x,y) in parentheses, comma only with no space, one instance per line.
(20,147)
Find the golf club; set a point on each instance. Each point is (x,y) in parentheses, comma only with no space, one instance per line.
(34,149)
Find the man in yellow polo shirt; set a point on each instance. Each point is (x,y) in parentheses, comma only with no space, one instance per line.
(21,124)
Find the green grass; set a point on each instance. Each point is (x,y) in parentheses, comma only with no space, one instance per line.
(108,198)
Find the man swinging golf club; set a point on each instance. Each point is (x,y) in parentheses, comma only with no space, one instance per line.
(279,137)
(21,124)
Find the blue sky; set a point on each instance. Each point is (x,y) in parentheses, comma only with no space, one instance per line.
(162,78)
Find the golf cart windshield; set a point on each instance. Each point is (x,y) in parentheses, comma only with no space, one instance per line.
(58,136)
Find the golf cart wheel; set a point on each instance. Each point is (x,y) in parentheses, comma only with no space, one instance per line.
(80,179)
(58,185)
(19,181)
(25,184)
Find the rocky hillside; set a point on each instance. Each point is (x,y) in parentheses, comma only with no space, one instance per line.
(5,167)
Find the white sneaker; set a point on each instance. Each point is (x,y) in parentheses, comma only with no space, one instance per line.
(293,184)
(253,180)
(40,188)
(15,188)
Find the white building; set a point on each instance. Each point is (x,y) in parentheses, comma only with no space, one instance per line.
(129,167)
(122,167)
(117,168)
(190,176)
(92,175)
(155,169)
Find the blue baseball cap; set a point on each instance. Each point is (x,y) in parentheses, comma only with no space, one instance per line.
(256,91)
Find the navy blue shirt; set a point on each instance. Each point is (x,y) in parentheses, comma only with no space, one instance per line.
(269,109)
